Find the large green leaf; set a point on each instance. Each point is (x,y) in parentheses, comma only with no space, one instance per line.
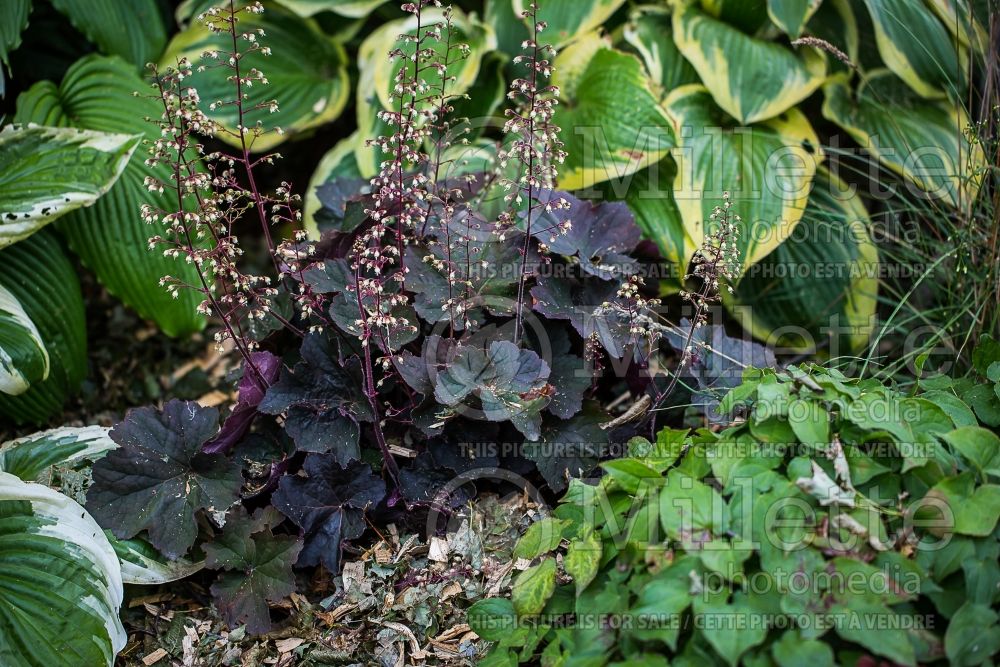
(791,15)
(132,29)
(307,74)
(650,32)
(354,9)
(111,237)
(752,80)
(569,19)
(922,140)
(819,287)
(917,47)
(964,19)
(609,116)
(747,15)
(836,23)
(60,582)
(40,277)
(768,168)
(47,172)
(23,357)
(13,19)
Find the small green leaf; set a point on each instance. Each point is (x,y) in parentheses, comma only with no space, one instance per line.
(493,619)
(810,422)
(533,588)
(583,559)
(792,650)
(541,537)
(978,446)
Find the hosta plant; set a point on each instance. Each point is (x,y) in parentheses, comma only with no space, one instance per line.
(835,521)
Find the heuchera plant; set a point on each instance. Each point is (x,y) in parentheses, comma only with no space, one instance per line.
(436,314)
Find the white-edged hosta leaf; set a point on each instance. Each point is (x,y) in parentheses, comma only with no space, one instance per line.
(143,565)
(132,29)
(32,457)
(922,140)
(60,581)
(307,74)
(767,168)
(821,282)
(23,357)
(791,15)
(110,237)
(378,70)
(609,117)
(751,79)
(13,20)
(41,278)
(46,172)
(568,19)
(650,32)
(916,46)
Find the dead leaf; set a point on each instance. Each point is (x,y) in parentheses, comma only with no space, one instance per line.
(438,551)
(154,657)
(288,645)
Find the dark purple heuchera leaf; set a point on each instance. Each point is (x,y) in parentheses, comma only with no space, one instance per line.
(158,478)
(508,382)
(569,447)
(258,567)
(600,235)
(343,210)
(328,505)
(467,447)
(252,388)
(329,276)
(580,300)
(322,400)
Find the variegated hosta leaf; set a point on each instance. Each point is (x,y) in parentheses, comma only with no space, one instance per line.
(110,237)
(46,172)
(609,116)
(650,32)
(767,167)
(60,581)
(354,9)
(922,140)
(747,15)
(378,71)
(791,15)
(13,19)
(143,565)
(836,23)
(965,20)
(818,289)
(23,357)
(751,79)
(40,277)
(918,48)
(32,457)
(132,29)
(307,74)
(568,19)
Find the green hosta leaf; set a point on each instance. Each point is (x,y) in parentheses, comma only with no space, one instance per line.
(32,457)
(972,636)
(533,588)
(158,478)
(13,20)
(60,582)
(583,559)
(46,172)
(917,47)
(791,15)
(42,280)
(752,80)
(818,289)
(23,357)
(307,74)
(258,567)
(923,141)
(978,446)
(541,537)
(378,70)
(110,237)
(132,29)
(650,32)
(768,169)
(611,122)
(567,20)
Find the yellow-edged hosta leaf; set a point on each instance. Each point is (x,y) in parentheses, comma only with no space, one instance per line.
(47,172)
(747,15)
(39,276)
(964,19)
(751,79)
(767,168)
(354,9)
(835,22)
(817,291)
(916,46)
(378,71)
(307,74)
(649,32)
(569,19)
(922,140)
(791,15)
(609,116)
